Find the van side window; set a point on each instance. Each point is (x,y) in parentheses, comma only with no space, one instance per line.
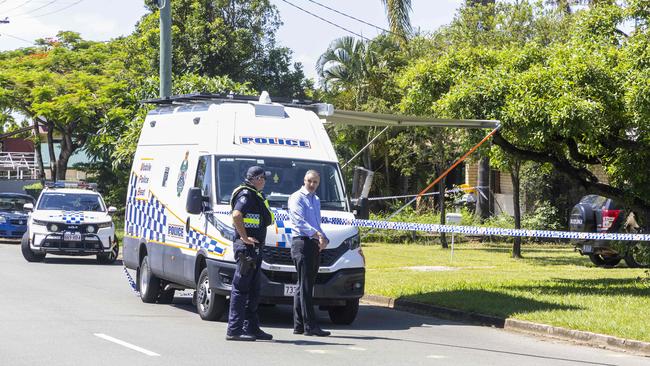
(204,176)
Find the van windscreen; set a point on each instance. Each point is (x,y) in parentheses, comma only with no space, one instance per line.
(286,177)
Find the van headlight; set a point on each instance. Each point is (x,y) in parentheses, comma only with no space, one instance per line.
(353,242)
(2,220)
(104,224)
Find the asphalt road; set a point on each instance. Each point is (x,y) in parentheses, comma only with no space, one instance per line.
(72,311)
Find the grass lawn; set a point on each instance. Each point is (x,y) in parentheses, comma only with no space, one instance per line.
(551,285)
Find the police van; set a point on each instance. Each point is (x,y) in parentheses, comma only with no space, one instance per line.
(193,151)
(70,218)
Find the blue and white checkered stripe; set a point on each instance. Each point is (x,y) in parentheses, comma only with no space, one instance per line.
(284,232)
(148,219)
(145,218)
(468,230)
(73,217)
(197,240)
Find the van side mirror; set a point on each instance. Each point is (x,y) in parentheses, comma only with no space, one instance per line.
(112,210)
(194,204)
(28,207)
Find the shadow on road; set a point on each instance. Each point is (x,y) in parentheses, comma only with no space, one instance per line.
(90,260)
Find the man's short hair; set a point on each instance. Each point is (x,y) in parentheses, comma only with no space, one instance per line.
(312,172)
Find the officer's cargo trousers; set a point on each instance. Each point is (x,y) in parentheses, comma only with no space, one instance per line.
(245,294)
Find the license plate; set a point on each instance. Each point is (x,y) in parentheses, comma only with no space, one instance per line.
(587,249)
(290,290)
(69,236)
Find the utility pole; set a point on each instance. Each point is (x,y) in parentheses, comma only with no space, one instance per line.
(165,48)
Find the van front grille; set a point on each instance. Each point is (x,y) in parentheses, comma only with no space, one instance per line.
(277,255)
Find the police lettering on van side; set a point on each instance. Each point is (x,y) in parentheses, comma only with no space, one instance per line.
(275,141)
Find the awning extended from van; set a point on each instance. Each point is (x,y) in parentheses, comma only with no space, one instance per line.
(380,119)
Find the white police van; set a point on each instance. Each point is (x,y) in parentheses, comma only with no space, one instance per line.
(70,218)
(193,151)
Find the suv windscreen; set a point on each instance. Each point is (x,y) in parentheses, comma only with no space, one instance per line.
(12,203)
(70,202)
(286,177)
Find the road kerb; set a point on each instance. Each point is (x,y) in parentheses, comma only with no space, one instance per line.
(576,336)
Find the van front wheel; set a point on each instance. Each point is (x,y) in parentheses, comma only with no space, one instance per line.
(210,305)
(344,314)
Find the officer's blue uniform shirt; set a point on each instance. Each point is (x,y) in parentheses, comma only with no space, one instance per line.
(251,207)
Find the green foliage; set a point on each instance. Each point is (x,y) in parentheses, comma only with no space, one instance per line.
(234,38)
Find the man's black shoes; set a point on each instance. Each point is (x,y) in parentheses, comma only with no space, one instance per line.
(298,331)
(317,333)
(241,337)
(263,336)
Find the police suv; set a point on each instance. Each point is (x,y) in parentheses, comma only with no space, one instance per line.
(70,219)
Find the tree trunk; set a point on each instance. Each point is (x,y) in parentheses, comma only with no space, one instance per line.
(483,191)
(443,217)
(67,148)
(514,174)
(37,152)
(50,149)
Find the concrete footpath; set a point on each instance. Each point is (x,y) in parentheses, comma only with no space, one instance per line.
(543,330)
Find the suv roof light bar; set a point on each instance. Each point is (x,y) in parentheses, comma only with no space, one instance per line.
(71,184)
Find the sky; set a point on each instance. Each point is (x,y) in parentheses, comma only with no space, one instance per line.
(307,36)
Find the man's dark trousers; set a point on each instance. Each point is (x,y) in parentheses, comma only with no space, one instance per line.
(245,295)
(305,255)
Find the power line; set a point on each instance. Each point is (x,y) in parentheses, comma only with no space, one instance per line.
(36,9)
(350,16)
(59,10)
(18,38)
(18,6)
(326,21)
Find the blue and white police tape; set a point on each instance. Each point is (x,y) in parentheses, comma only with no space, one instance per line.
(131,282)
(467,230)
(137,293)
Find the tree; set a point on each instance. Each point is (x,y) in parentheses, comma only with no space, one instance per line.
(69,85)
(570,99)
(397,12)
(234,38)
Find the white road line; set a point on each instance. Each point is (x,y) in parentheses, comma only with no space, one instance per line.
(437,357)
(316,351)
(353,348)
(125,344)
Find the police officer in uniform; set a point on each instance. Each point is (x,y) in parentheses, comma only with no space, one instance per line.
(250,215)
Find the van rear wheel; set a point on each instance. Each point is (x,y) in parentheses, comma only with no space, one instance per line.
(210,305)
(28,253)
(344,314)
(148,283)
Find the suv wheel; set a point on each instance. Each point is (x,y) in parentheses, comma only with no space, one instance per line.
(111,256)
(604,260)
(638,256)
(28,253)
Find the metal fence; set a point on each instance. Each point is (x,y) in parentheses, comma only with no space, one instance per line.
(18,165)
